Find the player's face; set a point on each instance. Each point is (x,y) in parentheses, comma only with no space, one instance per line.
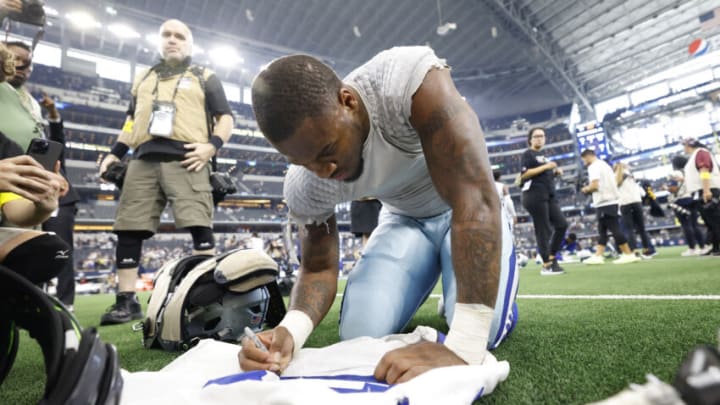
(23,66)
(330,145)
(175,41)
(537,139)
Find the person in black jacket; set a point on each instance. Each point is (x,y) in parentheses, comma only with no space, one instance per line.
(538,198)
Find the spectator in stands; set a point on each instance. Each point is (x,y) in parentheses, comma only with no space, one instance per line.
(685,208)
(702,178)
(538,197)
(364,218)
(605,195)
(24,105)
(396,129)
(631,210)
(169,126)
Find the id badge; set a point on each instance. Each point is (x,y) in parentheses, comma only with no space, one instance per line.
(161,119)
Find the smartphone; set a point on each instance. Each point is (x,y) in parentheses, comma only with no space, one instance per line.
(46,152)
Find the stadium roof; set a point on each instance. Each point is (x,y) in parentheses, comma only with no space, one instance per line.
(508,55)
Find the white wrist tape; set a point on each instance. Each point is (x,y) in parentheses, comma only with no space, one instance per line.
(299,325)
(469,332)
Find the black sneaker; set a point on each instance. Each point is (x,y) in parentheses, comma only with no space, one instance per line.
(553,270)
(125,309)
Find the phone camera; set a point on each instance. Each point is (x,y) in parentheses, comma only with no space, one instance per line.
(40,146)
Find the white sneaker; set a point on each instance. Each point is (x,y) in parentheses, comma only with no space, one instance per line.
(624,259)
(689,252)
(594,259)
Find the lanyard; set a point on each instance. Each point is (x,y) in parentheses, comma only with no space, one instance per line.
(177,85)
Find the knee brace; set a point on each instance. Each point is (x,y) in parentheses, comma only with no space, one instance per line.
(40,258)
(202,236)
(127,254)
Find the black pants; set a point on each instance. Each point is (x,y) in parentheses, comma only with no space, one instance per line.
(710,213)
(63,225)
(548,220)
(691,228)
(634,223)
(608,221)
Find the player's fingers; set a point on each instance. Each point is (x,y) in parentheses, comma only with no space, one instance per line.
(248,364)
(381,370)
(253,353)
(411,373)
(394,372)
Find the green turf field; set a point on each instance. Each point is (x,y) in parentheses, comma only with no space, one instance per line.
(563,351)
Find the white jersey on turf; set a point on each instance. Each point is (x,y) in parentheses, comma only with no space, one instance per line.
(337,374)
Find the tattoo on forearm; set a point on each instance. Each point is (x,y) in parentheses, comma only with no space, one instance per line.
(314,297)
(315,289)
(476,250)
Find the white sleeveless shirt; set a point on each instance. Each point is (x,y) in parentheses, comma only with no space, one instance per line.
(395,171)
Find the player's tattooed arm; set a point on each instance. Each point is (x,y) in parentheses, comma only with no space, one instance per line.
(459,166)
(316,285)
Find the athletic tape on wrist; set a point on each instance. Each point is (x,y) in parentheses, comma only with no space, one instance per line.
(299,325)
(705,175)
(469,332)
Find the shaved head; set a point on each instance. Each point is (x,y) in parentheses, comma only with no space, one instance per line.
(176,40)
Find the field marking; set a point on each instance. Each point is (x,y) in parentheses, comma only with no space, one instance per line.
(608,297)
(620,297)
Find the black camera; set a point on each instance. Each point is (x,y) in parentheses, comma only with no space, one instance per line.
(222,185)
(712,204)
(32,13)
(115,174)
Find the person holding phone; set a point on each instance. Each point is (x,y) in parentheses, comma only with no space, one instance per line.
(28,196)
(21,119)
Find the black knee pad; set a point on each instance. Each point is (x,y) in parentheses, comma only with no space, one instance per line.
(40,258)
(202,236)
(127,254)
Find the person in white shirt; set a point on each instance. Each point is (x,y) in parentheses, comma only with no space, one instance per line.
(631,209)
(605,195)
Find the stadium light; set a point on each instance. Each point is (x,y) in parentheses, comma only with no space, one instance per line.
(50,12)
(83,20)
(225,56)
(123,31)
(153,39)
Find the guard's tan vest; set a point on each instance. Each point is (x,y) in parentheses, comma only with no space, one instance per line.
(190,123)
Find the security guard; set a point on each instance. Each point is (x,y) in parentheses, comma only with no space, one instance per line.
(168,126)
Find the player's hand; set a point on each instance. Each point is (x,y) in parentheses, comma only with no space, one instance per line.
(199,155)
(280,346)
(558,171)
(106,162)
(401,365)
(25,177)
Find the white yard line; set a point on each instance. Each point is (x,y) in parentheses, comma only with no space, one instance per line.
(609,297)
(620,297)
